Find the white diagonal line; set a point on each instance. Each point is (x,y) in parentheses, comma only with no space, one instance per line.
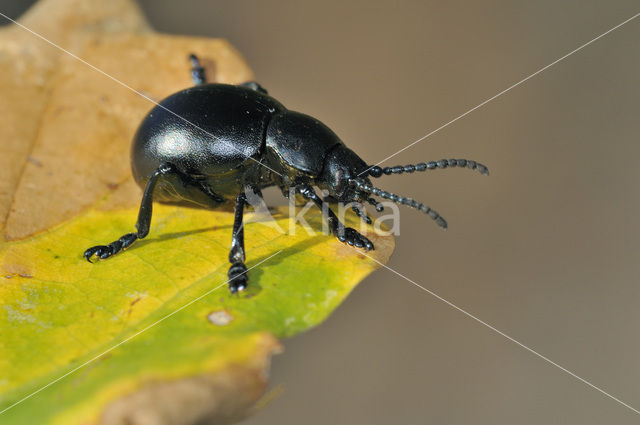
(506,90)
(499,332)
(131,337)
(95,68)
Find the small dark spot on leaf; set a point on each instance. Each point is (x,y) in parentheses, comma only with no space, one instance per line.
(34,161)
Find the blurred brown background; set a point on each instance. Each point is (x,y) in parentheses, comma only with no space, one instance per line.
(546,249)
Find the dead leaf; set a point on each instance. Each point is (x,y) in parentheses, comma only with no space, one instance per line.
(51,99)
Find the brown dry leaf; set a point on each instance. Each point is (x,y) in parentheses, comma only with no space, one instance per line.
(51,99)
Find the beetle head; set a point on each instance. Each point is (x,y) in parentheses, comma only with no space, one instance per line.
(341,165)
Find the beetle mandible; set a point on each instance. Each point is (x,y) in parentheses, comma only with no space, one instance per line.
(209,144)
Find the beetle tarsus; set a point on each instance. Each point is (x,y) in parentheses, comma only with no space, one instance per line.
(106,251)
(97,250)
(352,237)
(238,278)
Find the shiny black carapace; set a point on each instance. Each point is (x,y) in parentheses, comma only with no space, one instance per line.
(214,143)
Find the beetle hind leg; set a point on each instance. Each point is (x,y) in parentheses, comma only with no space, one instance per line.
(197,71)
(144,218)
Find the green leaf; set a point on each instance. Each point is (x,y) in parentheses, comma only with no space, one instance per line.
(61,311)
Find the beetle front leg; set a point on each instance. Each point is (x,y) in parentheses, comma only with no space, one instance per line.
(144,219)
(344,234)
(238,271)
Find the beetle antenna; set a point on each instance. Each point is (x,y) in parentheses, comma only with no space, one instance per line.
(412,203)
(375,171)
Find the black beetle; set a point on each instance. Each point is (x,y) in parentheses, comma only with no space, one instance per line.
(210,143)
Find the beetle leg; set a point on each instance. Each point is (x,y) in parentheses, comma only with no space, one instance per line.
(144,218)
(197,71)
(254,86)
(347,235)
(238,271)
